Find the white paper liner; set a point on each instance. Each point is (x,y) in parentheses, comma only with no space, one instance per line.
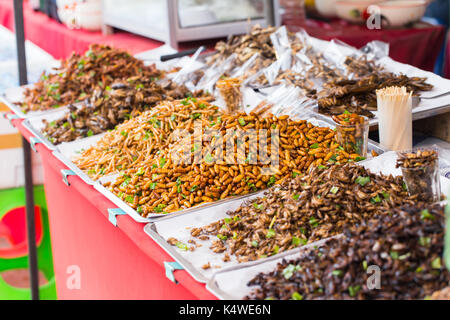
(179,227)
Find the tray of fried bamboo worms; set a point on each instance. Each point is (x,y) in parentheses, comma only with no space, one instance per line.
(124,202)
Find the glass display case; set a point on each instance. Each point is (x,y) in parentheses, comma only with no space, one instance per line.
(174,21)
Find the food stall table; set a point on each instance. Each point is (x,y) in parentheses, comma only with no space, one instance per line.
(110,262)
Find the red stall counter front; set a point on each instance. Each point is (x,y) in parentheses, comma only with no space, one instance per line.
(93,259)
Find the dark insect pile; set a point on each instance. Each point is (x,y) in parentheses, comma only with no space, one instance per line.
(405,247)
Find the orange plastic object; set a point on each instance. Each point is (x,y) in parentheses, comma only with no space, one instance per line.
(13,229)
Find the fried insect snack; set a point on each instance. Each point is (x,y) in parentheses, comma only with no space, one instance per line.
(405,247)
(143,148)
(140,139)
(110,107)
(420,171)
(359,95)
(352,132)
(308,208)
(79,75)
(230,89)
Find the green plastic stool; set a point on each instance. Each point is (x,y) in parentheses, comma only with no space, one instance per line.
(9,200)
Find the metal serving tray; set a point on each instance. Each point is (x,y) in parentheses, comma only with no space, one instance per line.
(15,94)
(66,151)
(156,216)
(11,95)
(98,185)
(231,282)
(179,225)
(35,125)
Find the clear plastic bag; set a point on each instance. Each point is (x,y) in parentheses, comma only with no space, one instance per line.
(230,90)
(280,41)
(213,74)
(282,64)
(245,70)
(188,67)
(376,50)
(343,56)
(285,100)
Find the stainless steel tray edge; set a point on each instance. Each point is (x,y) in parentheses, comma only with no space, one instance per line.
(212,286)
(151,230)
(156,216)
(209,204)
(83,176)
(17,111)
(36,132)
(121,204)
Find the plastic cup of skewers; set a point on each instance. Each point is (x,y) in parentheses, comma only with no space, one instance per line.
(420,170)
(352,133)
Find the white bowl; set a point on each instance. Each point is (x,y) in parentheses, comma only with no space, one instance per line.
(326,8)
(353,10)
(401,12)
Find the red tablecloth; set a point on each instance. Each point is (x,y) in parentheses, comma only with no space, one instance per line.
(60,41)
(119,262)
(418,46)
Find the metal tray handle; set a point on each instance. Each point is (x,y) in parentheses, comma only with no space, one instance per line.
(65,174)
(170,268)
(11,116)
(113,213)
(33,142)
